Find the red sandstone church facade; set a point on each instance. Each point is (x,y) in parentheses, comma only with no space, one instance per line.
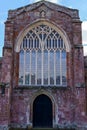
(42,79)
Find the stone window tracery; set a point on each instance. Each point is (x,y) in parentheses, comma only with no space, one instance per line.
(42,58)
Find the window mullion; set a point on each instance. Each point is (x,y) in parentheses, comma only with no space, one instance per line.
(30,67)
(60,67)
(54,67)
(24,67)
(36,69)
(42,64)
(48,67)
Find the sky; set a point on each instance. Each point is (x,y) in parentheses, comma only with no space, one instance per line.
(81,5)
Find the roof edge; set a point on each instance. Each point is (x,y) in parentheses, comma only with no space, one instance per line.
(74,13)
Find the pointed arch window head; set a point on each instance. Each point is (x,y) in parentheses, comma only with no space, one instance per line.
(42,58)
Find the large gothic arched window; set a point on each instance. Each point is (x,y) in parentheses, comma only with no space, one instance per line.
(42,58)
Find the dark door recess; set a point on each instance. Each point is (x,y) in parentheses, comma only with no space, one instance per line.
(42,112)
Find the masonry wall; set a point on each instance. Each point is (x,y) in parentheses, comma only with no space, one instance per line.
(5,96)
(70,104)
(85,66)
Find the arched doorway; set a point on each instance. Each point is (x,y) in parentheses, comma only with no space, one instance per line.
(42,111)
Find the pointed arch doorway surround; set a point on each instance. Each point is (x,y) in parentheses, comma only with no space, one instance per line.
(42,112)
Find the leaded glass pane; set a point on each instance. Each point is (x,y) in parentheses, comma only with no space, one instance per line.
(58,67)
(33,64)
(27,77)
(27,67)
(45,67)
(27,59)
(51,67)
(39,67)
